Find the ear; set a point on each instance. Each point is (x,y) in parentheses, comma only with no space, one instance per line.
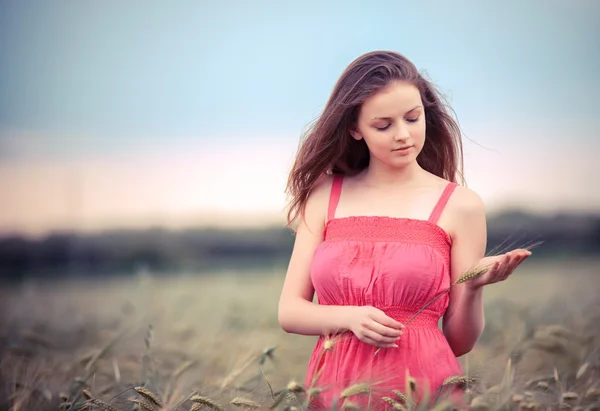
(355,134)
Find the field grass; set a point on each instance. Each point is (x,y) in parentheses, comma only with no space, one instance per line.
(193,339)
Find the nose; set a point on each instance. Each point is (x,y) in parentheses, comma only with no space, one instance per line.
(401,132)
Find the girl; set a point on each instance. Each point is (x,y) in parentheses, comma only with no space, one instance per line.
(382,227)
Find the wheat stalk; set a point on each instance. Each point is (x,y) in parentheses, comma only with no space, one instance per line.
(183,368)
(244,402)
(460,380)
(260,358)
(182,401)
(401,396)
(149,395)
(592,393)
(349,405)
(469,275)
(102,351)
(395,404)
(355,390)
(293,386)
(207,402)
(570,396)
(328,345)
(143,405)
(472,273)
(280,398)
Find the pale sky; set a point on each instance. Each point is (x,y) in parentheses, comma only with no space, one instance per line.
(130,114)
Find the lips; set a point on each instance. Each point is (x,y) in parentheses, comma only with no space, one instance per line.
(402,148)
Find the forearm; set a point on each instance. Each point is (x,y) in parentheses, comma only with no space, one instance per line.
(304,317)
(464,320)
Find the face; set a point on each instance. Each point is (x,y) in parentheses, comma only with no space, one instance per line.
(392,123)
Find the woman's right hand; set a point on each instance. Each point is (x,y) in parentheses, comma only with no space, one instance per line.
(372,326)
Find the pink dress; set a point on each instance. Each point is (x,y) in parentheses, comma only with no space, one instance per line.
(396,265)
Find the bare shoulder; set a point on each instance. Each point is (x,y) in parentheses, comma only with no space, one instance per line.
(465,213)
(465,202)
(315,212)
(322,188)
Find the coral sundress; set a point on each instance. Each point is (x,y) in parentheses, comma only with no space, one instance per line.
(396,265)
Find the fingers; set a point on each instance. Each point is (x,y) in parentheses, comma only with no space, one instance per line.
(383,330)
(379,330)
(502,269)
(495,273)
(513,260)
(505,265)
(505,268)
(378,333)
(521,256)
(374,339)
(387,321)
(381,339)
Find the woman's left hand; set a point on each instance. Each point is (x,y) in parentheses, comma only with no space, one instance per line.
(502,266)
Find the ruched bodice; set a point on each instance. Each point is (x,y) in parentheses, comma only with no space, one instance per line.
(382,261)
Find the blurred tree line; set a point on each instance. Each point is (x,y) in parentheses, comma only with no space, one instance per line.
(122,252)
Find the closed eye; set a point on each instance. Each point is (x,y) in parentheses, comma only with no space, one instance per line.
(410,120)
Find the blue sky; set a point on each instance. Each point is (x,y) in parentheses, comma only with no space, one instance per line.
(84,78)
(123,73)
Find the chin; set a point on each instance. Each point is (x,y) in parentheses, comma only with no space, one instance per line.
(403,161)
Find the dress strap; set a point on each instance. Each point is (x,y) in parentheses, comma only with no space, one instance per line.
(334,198)
(439,207)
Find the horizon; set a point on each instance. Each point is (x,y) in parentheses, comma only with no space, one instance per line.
(253,222)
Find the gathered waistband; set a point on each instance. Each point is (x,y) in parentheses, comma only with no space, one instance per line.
(425,319)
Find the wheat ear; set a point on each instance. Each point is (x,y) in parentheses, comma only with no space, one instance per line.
(474,272)
(207,402)
(149,395)
(469,275)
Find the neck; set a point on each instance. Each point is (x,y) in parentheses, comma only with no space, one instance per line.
(380,175)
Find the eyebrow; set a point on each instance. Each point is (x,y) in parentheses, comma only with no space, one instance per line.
(389,118)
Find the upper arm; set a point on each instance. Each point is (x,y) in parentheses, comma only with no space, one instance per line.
(309,235)
(468,232)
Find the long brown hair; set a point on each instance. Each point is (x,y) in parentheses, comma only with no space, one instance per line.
(328,147)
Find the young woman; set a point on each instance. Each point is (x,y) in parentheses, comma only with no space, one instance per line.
(382,227)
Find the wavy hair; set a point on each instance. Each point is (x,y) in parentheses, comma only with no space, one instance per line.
(328,147)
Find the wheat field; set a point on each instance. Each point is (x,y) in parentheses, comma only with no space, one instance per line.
(193,341)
